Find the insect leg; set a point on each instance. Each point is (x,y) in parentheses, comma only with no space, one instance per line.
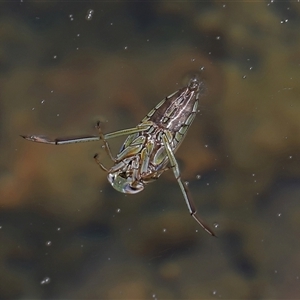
(60,141)
(128,131)
(184,189)
(106,146)
(100,163)
(105,137)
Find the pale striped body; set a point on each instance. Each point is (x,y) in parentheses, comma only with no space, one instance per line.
(143,156)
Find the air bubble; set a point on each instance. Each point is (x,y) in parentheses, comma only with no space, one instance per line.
(48,243)
(89,15)
(198,176)
(46,280)
(216,225)
(244,77)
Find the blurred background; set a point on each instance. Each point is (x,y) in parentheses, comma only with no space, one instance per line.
(65,233)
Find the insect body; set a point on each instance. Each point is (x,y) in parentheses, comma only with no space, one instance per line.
(149,149)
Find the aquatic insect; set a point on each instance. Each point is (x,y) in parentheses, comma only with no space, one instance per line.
(149,149)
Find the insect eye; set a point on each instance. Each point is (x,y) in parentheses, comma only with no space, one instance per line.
(194,84)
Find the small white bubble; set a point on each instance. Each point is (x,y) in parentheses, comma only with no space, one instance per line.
(207,183)
(58,229)
(214,293)
(279,214)
(125,47)
(78,34)
(57,115)
(48,243)
(46,280)
(244,77)
(164,230)
(193,59)
(55,56)
(198,176)
(250,68)
(290,157)
(186,183)
(253,174)
(0,227)
(216,225)
(43,101)
(218,37)
(205,146)
(33,108)
(202,68)
(224,5)
(89,15)
(275,271)
(118,210)
(51,91)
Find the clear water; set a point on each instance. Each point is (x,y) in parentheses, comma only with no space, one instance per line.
(66,234)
